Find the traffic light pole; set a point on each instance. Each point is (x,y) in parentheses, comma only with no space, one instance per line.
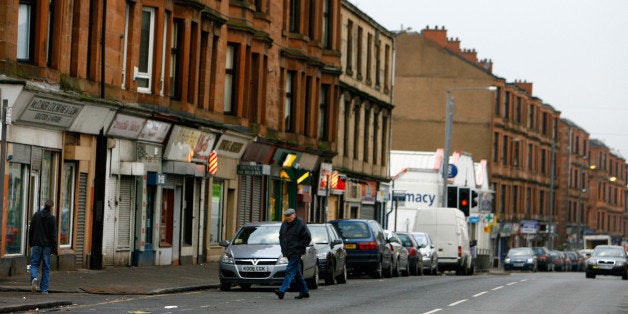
(449,114)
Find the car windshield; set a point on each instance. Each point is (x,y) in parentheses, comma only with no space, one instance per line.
(518,252)
(264,235)
(319,234)
(405,240)
(608,252)
(353,229)
(421,239)
(538,251)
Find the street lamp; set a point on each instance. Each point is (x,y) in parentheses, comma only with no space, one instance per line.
(580,209)
(449,115)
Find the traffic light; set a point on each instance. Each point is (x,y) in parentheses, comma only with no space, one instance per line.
(474,198)
(452,196)
(464,200)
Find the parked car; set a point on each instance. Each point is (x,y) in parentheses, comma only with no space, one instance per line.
(520,258)
(400,254)
(332,256)
(560,263)
(415,259)
(543,259)
(608,260)
(586,253)
(366,245)
(577,261)
(254,257)
(428,252)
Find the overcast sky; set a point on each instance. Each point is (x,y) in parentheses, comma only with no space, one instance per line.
(574,52)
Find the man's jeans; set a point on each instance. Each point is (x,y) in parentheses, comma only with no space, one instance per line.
(293,270)
(40,255)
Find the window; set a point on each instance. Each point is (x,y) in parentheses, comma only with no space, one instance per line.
(125,47)
(502,199)
(515,154)
(230,80)
(528,200)
(16,206)
(289,104)
(386,67)
(375,134)
(323,109)
(504,150)
(347,125)
(67,205)
(147,41)
(385,148)
(357,127)
(498,96)
(495,147)
(311,31)
(377,63)
(544,123)
(25,36)
(507,106)
(327,18)
(518,110)
(349,47)
(543,160)
(369,57)
(358,66)
(295,6)
(175,59)
(367,135)
(50,34)
(530,157)
(531,117)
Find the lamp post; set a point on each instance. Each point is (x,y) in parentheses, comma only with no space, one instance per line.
(580,209)
(449,117)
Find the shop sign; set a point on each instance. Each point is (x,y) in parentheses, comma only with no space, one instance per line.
(126,126)
(253,170)
(182,144)
(203,147)
(154,131)
(50,112)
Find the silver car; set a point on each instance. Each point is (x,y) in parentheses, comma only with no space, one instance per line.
(428,251)
(254,257)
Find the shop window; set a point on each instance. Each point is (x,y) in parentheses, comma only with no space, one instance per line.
(66,210)
(215,225)
(16,207)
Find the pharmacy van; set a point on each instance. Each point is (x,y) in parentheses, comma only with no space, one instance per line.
(449,231)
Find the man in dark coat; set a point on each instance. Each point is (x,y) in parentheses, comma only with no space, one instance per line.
(294,237)
(42,238)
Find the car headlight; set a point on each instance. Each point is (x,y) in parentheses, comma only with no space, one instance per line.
(530,260)
(620,263)
(507,260)
(282,260)
(226,259)
(322,256)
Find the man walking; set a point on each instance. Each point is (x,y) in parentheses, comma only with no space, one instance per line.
(294,237)
(42,237)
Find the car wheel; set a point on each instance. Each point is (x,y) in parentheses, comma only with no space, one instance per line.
(420,269)
(329,276)
(397,271)
(379,271)
(435,270)
(589,275)
(312,283)
(343,276)
(388,273)
(225,286)
(406,272)
(625,275)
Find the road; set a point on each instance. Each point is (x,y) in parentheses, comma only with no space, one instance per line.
(514,293)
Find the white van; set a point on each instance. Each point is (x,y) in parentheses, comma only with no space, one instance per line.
(448,228)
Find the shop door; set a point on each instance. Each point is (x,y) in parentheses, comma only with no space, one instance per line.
(124,219)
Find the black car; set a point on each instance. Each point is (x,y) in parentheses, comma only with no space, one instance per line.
(332,255)
(415,258)
(543,260)
(608,260)
(367,249)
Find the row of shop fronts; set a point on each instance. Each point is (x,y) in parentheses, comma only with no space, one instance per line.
(133,187)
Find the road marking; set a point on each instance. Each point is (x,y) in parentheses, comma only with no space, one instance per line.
(433,311)
(522,280)
(497,288)
(479,294)
(512,283)
(457,302)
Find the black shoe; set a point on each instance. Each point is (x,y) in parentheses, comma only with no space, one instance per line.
(302,296)
(280,294)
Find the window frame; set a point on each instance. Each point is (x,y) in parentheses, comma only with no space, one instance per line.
(147,75)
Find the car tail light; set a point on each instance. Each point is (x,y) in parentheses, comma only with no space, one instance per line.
(368,245)
(543,257)
(459,251)
(412,252)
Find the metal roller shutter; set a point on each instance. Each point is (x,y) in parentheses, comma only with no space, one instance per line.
(80,223)
(124,218)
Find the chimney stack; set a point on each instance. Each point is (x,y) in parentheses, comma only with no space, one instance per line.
(436,35)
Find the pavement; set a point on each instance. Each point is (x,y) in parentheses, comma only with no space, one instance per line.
(16,295)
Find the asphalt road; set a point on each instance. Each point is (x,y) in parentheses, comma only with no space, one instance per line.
(515,293)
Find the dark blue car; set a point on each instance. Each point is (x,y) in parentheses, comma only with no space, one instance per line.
(367,248)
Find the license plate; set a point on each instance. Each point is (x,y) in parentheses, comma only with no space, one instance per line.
(350,246)
(606,267)
(256,268)
(518,264)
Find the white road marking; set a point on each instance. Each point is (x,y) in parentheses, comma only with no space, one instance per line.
(433,311)
(479,294)
(522,280)
(497,288)
(512,283)
(457,302)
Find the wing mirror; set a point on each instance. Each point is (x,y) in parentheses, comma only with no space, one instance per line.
(336,242)
(224,243)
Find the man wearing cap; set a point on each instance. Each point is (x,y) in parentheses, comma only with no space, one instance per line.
(294,237)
